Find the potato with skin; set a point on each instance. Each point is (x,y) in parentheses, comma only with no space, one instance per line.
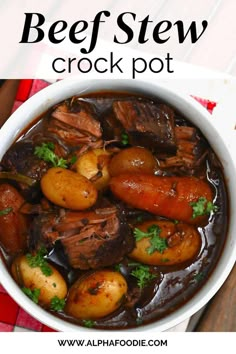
(133,160)
(93,165)
(33,278)
(68,189)
(96,295)
(13,224)
(183,244)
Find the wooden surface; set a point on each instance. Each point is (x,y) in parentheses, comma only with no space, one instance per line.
(220,313)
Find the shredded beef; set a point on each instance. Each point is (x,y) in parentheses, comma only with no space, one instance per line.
(91,239)
(79,116)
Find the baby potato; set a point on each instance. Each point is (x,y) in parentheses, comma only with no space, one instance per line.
(33,278)
(133,160)
(68,189)
(94,165)
(96,295)
(183,244)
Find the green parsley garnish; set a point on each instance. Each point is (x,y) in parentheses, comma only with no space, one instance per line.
(57,304)
(38,260)
(5,211)
(124,139)
(32,294)
(157,243)
(73,160)
(88,323)
(142,273)
(46,153)
(117,267)
(202,207)
(199,277)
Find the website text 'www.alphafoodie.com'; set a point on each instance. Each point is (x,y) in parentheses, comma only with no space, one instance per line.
(112,343)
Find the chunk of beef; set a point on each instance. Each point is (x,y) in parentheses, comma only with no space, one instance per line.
(20,158)
(148,124)
(80,116)
(90,239)
(69,135)
(191,151)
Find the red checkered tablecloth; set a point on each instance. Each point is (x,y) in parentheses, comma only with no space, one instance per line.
(13,317)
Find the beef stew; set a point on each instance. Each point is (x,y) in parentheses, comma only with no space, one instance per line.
(122,201)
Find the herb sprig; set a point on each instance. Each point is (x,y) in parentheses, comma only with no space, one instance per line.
(199,277)
(5,211)
(202,207)
(38,260)
(57,304)
(142,273)
(32,294)
(124,139)
(46,153)
(88,323)
(157,243)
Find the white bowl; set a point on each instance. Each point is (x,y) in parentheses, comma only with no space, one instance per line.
(219,140)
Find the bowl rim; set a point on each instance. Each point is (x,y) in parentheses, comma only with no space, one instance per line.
(61,90)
